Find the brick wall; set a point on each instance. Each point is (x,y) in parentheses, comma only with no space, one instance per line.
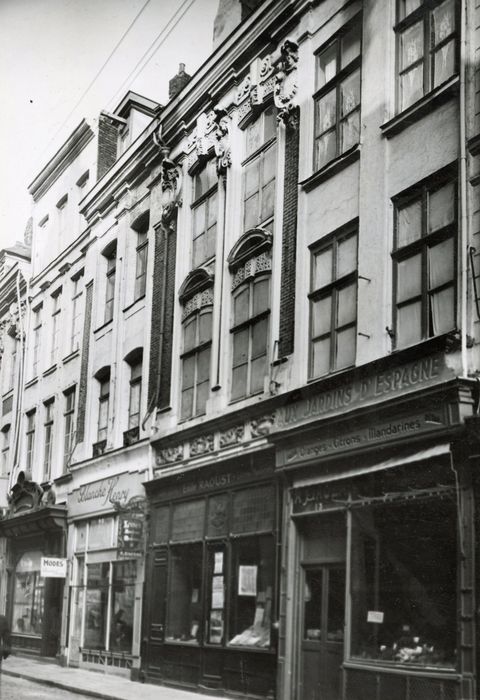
(107,146)
(83,385)
(289,244)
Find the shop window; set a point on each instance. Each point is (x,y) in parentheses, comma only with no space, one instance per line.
(204,214)
(251,607)
(259,172)
(427,47)
(216,591)
(333,304)
(185,588)
(404,584)
(424,260)
(337,96)
(28,596)
(96,605)
(122,606)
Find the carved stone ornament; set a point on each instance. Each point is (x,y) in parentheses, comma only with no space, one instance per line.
(170,455)
(262,426)
(232,436)
(255,87)
(222,140)
(171,192)
(203,138)
(25,495)
(201,445)
(286,85)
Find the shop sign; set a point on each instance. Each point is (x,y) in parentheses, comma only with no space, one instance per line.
(373,389)
(97,496)
(363,437)
(131,527)
(53,567)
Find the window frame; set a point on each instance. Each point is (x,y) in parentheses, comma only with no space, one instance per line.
(204,198)
(135,382)
(56,311)
(69,425)
(77,293)
(332,289)
(103,398)
(30,439)
(110,256)
(37,331)
(48,436)
(335,83)
(195,351)
(423,13)
(421,245)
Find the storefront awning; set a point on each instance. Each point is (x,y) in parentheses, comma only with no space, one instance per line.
(399,459)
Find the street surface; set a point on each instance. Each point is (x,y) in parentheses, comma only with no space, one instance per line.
(12,688)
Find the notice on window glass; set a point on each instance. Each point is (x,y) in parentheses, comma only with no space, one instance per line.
(247,580)
(375,616)
(218,600)
(218,568)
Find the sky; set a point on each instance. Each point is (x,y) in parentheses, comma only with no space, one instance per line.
(50,54)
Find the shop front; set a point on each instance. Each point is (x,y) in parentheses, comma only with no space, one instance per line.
(211,577)
(106,546)
(34,528)
(378,595)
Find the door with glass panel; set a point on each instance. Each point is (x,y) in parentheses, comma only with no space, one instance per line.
(321,655)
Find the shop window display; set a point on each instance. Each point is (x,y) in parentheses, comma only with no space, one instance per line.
(403,584)
(96,605)
(28,596)
(122,605)
(183,621)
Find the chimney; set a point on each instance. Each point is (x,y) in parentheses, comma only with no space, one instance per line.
(107,145)
(229,15)
(178,82)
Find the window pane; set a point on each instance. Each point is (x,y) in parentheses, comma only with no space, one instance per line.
(409,223)
(336,605)
(269,164)
(240,347)
(123,602)
(251,212)
(443,21)
(326,112)
(346,305)
(346,256)
(345,348)
(441,260)
(350,93)
(199,220)
(202,396)
(216,603)
(409,278)
(269,124)
(261,296)
(408,6)
(187,403)
(134,408)
(199,250)
(321,357)
(325,149)
(205,327)
(259,337)
(188,519)
(188,371)
(313,601)
(350,131)
(322,268)
(350,46)
(444,66)
(411,45)
(442,311)
(189,332)
(96,606)
(203,365)
(252,177)
(239,382)
(409,324)
(210,242)
(326,65)
(212,209)
(240,306)
(184,612)
(253,136)
(258,372)
(411,86)
(441,207)
(268,201)
(321,316)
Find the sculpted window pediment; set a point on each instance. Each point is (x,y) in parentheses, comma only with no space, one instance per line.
(195,282)
(250,244)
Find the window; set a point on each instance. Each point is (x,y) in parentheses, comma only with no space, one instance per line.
(28,596)
(30,441)
(204,213)
(48,439)
(337,96)
(62,216)
(77,290)
(5,449)
(82,188)
(56,309)
(111,257)
(197,341)
(37,332)
(141,263)
(135,393)
(259,172)
(13,367)
(103,401)
(427,47)
(424,260)
(404,568)
(333,304)
(69,434)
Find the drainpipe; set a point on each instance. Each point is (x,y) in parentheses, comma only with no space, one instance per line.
(463,191)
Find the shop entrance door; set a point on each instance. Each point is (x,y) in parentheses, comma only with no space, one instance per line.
(322,633)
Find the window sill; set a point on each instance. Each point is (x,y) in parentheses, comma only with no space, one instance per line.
(7,394)
(31,382)
(71,356)
(130,306)
(104,325)
(50,370)
(332,168)
(418,110)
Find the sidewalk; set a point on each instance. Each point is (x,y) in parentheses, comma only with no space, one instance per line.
(93,683)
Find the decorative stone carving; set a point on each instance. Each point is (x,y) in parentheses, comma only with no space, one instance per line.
(255,87)
(286,85)
(232,436)
(170,455)
(252,267)
(262,426)
(201,445)
(204,298)
(222,142)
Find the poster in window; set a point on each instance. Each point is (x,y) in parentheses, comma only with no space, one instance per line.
(247,580)
(218,569)
(216,627)
(218,598)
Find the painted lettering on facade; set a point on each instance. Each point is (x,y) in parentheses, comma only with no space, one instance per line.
(103,491)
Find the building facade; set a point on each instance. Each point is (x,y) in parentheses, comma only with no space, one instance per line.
(271,486)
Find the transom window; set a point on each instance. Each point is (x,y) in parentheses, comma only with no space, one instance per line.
(333,304)
(337,96)
(259,171)
(425,262)
(204,213)
(427,47)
